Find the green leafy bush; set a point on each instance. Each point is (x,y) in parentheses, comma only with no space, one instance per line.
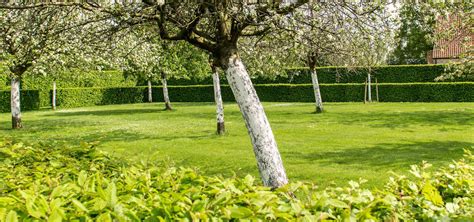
(55,182)
(29,100)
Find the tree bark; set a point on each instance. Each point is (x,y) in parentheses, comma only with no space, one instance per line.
(53,100)
(269,161)
(317,92)
(15,103)
(165,92)
(150,96)
(369,88)
(218,99)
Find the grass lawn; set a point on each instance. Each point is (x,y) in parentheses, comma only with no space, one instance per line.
(349,141)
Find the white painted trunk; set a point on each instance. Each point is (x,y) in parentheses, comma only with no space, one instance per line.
(150,95)
(369,88)
(219,104)
(53,102)
(269,161)
(317,92)
(165,93)
(15,103)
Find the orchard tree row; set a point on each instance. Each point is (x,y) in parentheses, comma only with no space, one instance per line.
(157,39)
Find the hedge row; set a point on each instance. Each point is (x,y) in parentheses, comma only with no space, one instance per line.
(328,75)
(390,92)
(29,100)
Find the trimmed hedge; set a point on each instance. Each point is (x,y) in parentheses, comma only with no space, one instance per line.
(78,97)
(29,100)
(389,92)
(328,75)
(417,92)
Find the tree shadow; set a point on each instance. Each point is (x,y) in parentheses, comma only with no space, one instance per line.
(385,155)
(406,119)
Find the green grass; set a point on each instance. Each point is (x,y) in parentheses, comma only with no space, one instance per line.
(349,141)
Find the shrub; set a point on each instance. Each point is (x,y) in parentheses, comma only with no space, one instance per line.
(55,182)
(29,100)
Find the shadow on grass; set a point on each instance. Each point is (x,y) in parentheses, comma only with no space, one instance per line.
(406,119)
(386,155)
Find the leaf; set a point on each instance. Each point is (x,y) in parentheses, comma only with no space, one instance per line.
(432,194)
(56,216)
(79,205)
(105,217)
(240,212)
(12,216)
(337,203)
(111,192)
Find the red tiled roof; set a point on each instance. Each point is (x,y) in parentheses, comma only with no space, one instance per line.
(456,44)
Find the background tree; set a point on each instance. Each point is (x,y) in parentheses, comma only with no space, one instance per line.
(413,38)
(30,37)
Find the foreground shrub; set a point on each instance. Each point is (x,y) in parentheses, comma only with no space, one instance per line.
(54,183)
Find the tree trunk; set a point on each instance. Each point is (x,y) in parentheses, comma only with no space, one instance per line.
(317,92)
(165,92)
(218,99)
(150,96)
(269,161)
(53,100)
(369,88)
(15,103)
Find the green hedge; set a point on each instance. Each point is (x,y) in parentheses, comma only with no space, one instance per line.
(77,97)
(328,75)
(417,92)
(389,92)
(29,100)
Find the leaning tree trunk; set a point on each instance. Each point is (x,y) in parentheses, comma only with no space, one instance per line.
(218,99)
(53,99)
(317,92)
(165,92)
(15,103)
(269,161)
(150,96)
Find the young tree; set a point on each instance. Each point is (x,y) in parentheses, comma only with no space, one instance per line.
(218,99)
(28,38)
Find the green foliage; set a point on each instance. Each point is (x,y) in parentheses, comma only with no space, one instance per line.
(413,37)
(30,100)
(55,182)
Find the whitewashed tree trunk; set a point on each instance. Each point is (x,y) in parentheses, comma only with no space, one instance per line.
(165,92)
(317,92)
(53,100)
(369,88)
(150,95)
(219,104)
(15,103)
(269,161)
